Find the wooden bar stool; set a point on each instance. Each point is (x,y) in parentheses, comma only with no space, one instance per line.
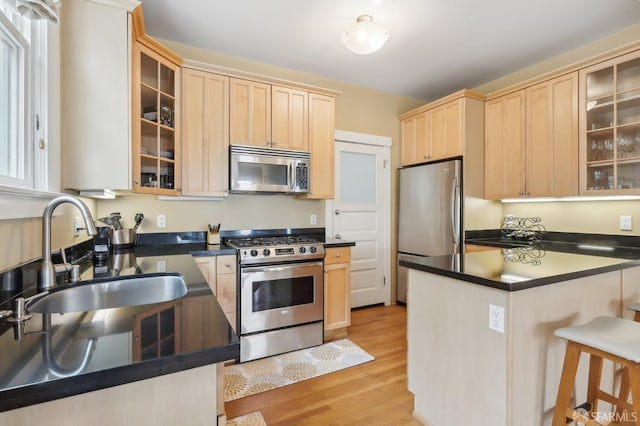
(615,339)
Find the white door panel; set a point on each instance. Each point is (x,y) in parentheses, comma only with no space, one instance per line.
(360,213)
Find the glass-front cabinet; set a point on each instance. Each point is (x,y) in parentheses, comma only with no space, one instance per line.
(155,119)
(610,126)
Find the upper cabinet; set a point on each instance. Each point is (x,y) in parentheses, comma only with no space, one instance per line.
(610,126)
(437,130)
(268,115)
(155,114)
(531,141)
(322,112)
(96,96)
(205,133)
(156,118)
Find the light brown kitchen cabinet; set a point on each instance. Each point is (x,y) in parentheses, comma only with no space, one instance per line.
(610,126)
(249,112)
(268,115)
(552,137)
(205,133)
(337,290)
(289,118)
(155,114)
(437,130)
(531,141)
(413,145)
(504,146)
(321,145)
(220,273)
(196,334)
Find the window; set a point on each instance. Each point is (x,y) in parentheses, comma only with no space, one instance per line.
(29,126)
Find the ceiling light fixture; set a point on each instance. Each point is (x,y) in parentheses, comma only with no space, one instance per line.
(365,36)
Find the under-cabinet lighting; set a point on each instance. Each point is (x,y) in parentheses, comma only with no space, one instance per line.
(595,247)
(587,198)
(102,194)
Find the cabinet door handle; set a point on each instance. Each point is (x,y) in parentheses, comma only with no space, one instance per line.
(227,265)
(338,237)
(337,254)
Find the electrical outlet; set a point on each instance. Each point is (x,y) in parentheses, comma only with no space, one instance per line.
(78,225)
(626,223)
(161,221)
(496,318)
(313,219)
(161,266)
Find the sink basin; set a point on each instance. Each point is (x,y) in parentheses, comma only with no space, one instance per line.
(116,293)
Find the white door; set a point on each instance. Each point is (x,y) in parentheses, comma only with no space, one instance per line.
(360,213)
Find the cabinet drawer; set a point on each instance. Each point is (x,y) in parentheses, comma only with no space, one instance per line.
(226,264)
(337,255)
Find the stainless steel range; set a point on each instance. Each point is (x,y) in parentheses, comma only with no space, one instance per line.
(281,291)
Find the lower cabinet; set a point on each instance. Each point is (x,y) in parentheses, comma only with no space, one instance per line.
(337,291)
(157,332)
(220,273)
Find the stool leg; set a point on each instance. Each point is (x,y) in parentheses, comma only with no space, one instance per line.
(624,389)
(634,384)
(595,375)
(567,379)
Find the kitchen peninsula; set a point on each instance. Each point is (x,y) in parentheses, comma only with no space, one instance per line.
(480,329)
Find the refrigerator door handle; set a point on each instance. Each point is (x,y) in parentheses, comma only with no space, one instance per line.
(455,211)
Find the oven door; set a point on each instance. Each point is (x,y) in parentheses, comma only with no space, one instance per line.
(282,295)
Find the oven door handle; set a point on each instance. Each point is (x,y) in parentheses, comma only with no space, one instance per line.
(279,268)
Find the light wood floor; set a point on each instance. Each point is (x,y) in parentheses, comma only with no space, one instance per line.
(374,393)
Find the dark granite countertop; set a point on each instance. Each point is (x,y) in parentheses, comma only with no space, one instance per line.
(330,242)
(47,362)
(516,265)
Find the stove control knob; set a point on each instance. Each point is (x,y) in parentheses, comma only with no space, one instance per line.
(303,249)
(266,252)
(254,252)
(313,249)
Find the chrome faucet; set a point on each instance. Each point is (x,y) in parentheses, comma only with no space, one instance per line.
(47,273)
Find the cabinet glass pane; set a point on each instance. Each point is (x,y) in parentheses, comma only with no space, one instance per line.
(167,323)
(149,172)
(149,103)
(600,113)
(167,111)
(167,80)
(629,75)
(148,71)
(629,108)
(149,139)
(167,173)
(600,145)
(600,177)
(167,143)
(149,353)
(600,83)
(629,142)
(628,176)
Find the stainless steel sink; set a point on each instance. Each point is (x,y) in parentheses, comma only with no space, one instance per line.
(116,293)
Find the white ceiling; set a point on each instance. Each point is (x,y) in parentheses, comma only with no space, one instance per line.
(435,46)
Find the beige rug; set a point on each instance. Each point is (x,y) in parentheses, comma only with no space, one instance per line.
(251,419)
(261,375)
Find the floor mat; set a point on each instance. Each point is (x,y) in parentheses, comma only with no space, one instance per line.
(261,375)
(251,419)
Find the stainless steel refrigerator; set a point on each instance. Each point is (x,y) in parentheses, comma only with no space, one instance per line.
(430,214)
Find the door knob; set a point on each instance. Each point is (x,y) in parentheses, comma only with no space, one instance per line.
(337,212)
(338,237)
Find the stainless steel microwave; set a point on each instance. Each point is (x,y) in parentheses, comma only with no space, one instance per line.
(269,170)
